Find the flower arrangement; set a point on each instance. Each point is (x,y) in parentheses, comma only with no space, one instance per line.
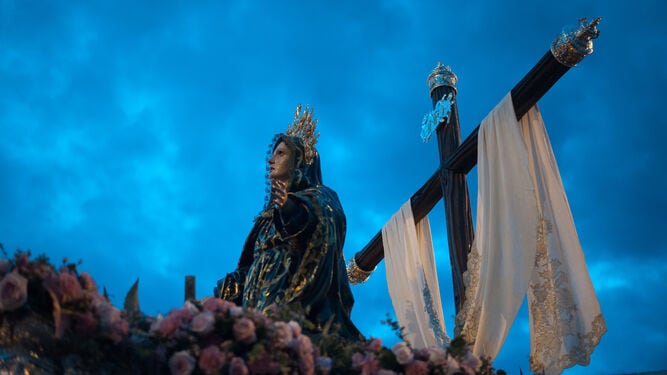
(53,311)
(55,320)
(215,335)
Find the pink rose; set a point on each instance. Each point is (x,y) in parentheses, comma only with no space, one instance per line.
(107,313)
(88,282)
(182,316)
(437,356)
(215,305)
(167,326)
(416,368)
(296,328)
(453,365)
(307,365)
(211,360)
(302,345)
(176,322)
(324,365)
(112,324)
(364,363)
(375,345)
(283,334)
(304,348)
(235,311)
(97,299)
(118,330)
(181,363)
(155,324)
(471,361)
(203,323)
(358,361)
(69,288)
(403,353)
(372,365)
(13,291)
(259,318)
(189,306)
(244,330)
(385,372)
(421,354)
(238,367)
(85,324)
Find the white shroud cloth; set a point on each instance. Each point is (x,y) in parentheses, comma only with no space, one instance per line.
(526,242)
(412,279)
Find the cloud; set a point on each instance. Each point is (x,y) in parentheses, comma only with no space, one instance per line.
(134,136)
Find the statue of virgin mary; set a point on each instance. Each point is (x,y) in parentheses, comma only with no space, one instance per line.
(293,256)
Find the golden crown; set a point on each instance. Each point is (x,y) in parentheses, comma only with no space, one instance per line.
(573,44)
(442,76)
(304,128)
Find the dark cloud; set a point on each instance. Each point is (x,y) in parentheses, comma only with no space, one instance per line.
(134,136)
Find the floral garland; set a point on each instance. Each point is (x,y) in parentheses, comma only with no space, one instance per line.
(48,313)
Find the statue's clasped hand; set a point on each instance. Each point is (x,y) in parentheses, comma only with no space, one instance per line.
(278,193)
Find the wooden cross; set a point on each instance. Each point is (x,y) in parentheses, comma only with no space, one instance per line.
(457,159)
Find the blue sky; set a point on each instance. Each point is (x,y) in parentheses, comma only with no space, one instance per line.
(134,136)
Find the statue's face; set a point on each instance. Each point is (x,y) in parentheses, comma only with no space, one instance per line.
(280,164)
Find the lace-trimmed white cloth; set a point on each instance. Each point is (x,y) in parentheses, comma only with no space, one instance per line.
(412,279)
(526,242)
